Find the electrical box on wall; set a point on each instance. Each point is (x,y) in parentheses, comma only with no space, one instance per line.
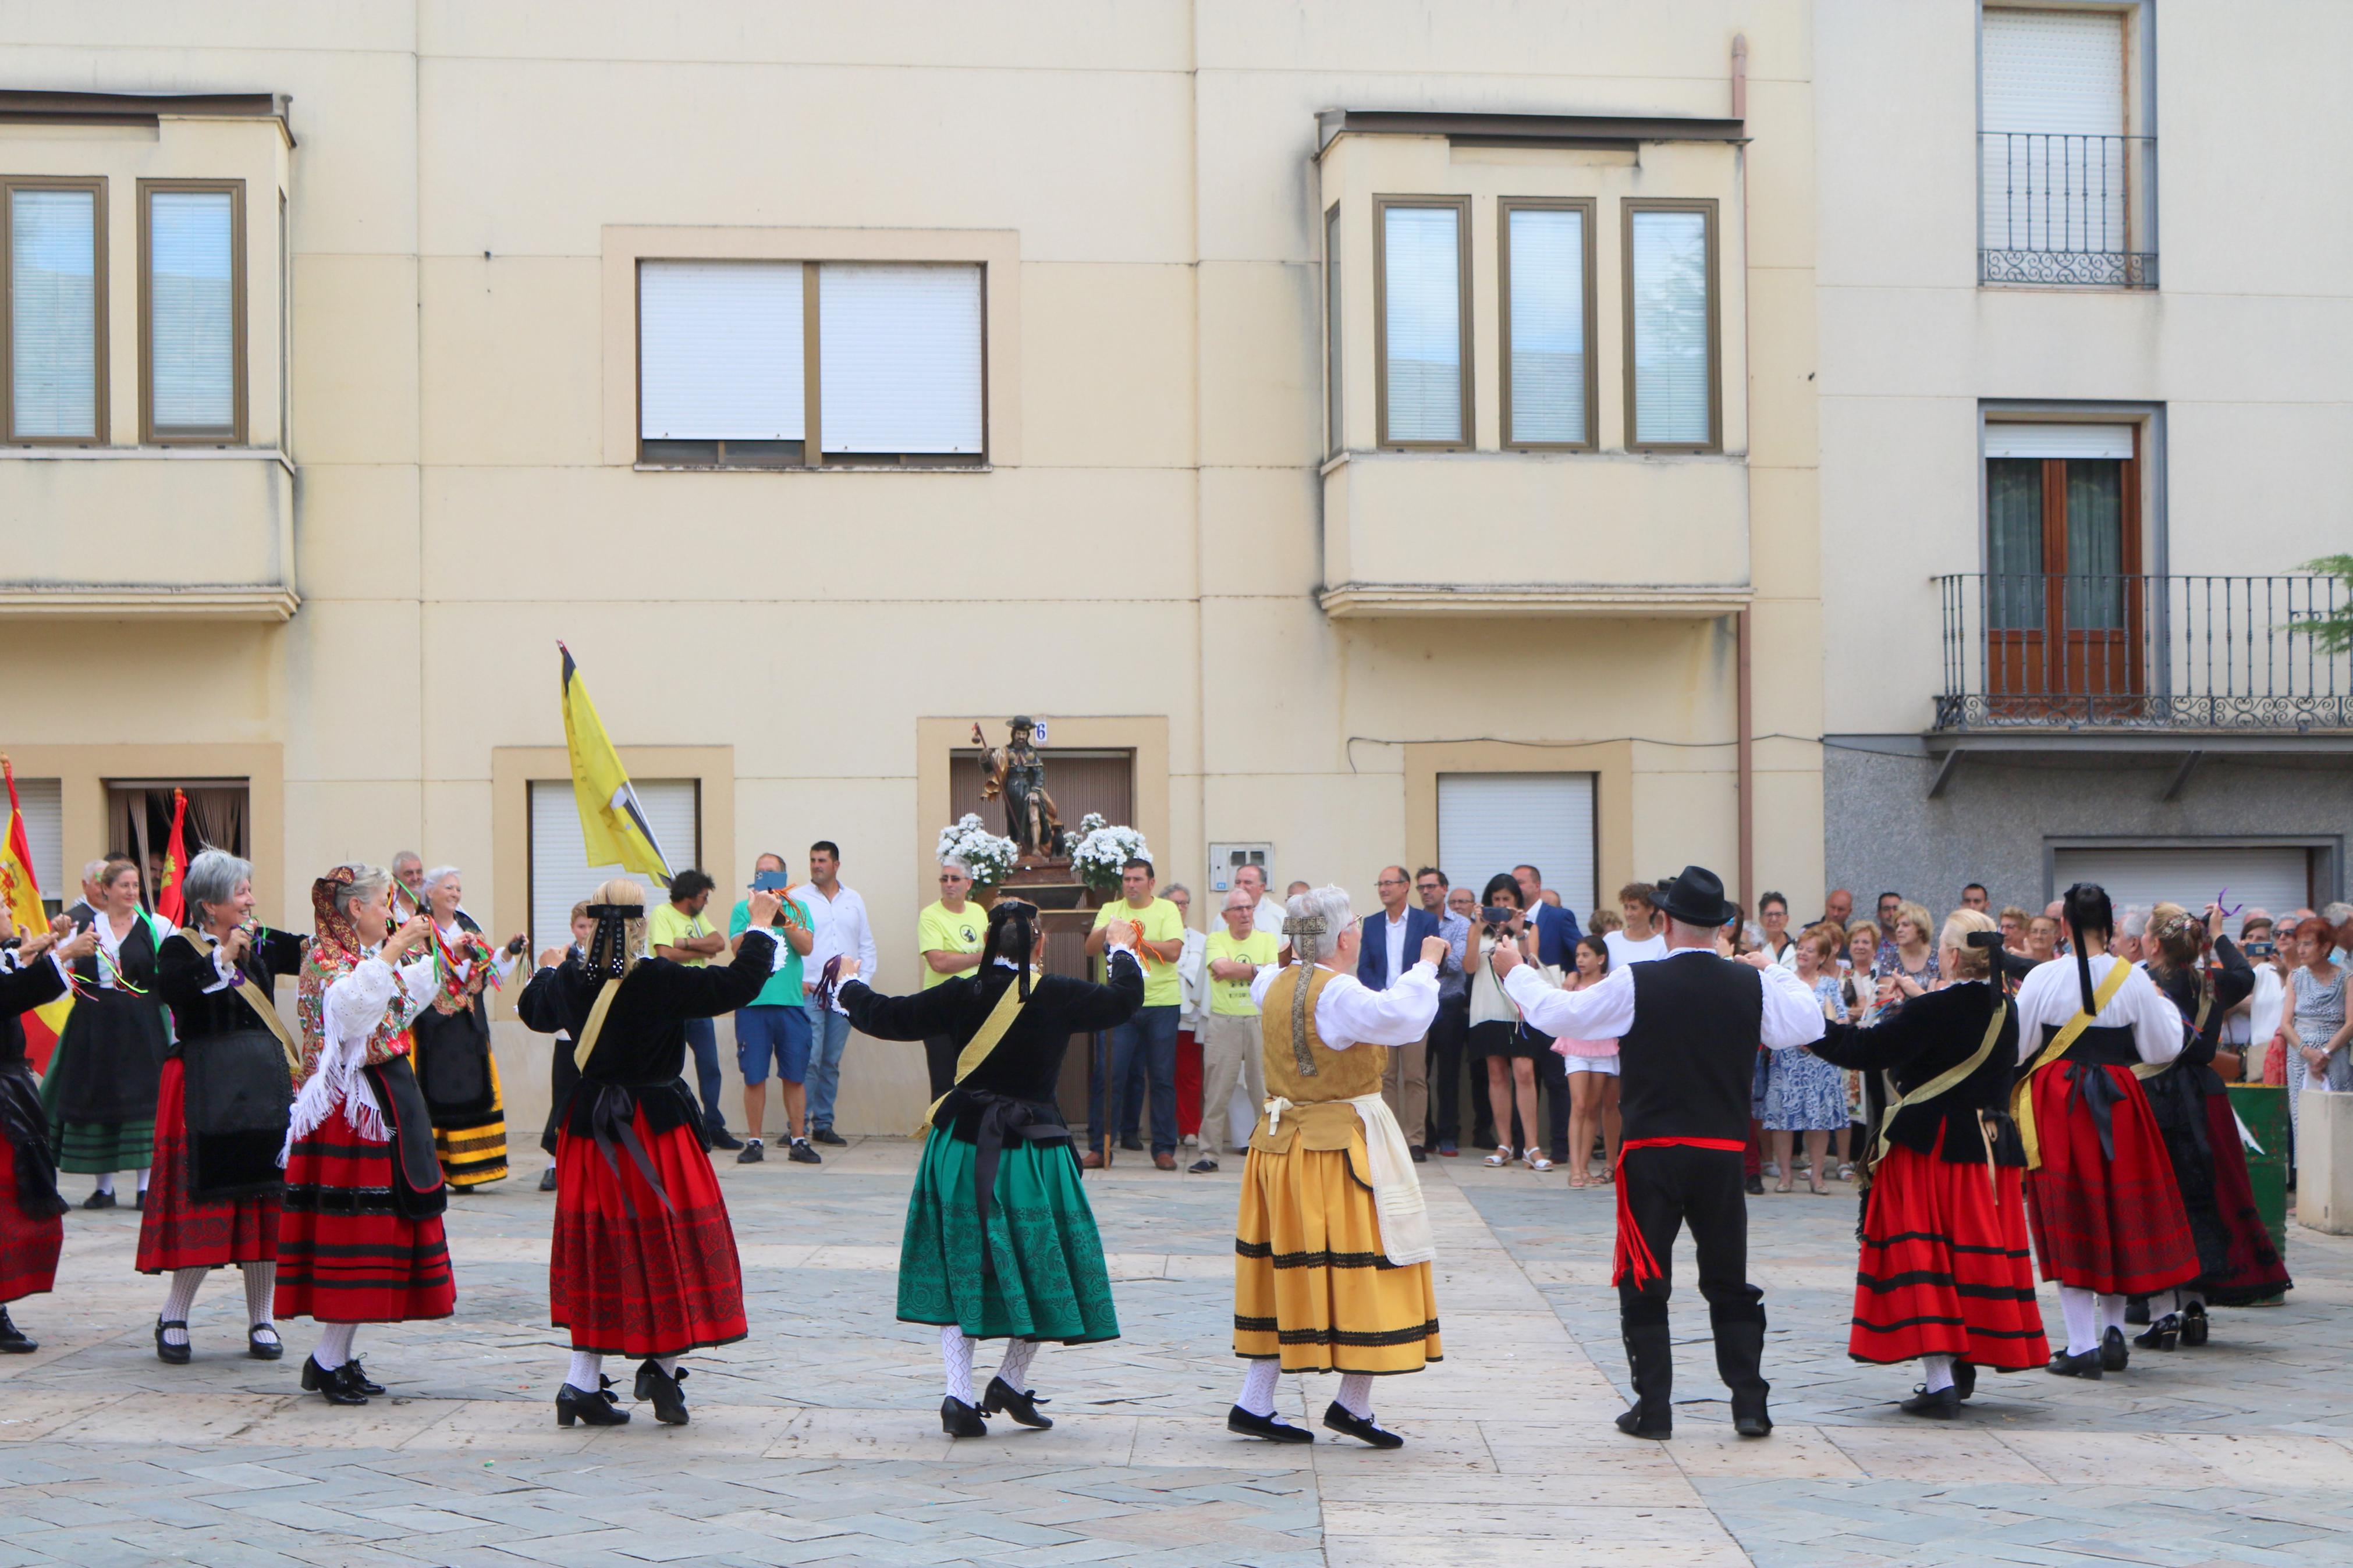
(1225,860)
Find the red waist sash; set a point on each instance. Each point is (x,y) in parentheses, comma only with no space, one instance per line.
(1634,1253)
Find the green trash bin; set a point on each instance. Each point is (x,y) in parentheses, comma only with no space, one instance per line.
(2263,1108)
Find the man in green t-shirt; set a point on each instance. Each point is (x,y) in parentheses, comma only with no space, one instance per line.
(677,931)
(948,938)
(775,1025)
(1230,1048)
(1146,1044)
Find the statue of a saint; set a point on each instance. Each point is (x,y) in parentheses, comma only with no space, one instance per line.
(1018,774)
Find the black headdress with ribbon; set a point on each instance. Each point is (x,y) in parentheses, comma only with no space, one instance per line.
(1021,917)
(608,950)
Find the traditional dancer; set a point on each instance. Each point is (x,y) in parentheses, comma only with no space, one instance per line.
(453,1061)
(99,1091)
(32,1230)
(1332,1245)
(563,1071)
(1688,1026)
(360,1239)
(2237,1263)
(222,1107)
(644,1261)
(1000,1242)
(1945,1277)
(2100,1194)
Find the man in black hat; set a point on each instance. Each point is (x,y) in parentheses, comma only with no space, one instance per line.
(1689,1025)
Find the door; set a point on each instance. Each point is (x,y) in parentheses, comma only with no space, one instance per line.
(2064,606)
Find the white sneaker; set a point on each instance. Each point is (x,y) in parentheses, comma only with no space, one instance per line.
(1772,1168)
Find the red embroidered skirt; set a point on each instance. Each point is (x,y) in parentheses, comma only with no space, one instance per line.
(2118,1225)
(629,1276)
(29,1247)
(345,1254)
(1944,1268)
(176,1231)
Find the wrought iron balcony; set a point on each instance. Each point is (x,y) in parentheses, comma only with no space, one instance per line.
(2067,209)
(2137,654)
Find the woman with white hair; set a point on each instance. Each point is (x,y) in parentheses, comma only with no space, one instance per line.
(220,1113)
(360,1239)
(644,1261)
(1332,1244)
(455,1067)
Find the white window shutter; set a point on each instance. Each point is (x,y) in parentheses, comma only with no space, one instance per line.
(53,312)
(719,351)
(2270,876)
(1421,291)
(192,315)
(43,801)
(1489,823)
(899,358)
(1671,325)
(1547,347)
(2053,79)
(560,873)
(2110,441)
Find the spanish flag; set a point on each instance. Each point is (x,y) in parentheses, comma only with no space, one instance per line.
(22,893)
(611,821)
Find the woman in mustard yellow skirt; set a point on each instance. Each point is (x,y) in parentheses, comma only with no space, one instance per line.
(1332,1245)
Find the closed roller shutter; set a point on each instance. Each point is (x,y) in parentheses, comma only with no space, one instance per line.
(899,358)
(719,351)
(1491,822)
(560,873)
(43,801)
(2273,878)
(2053,78)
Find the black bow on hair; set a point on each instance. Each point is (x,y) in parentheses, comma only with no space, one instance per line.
(1022,916)
(608,950)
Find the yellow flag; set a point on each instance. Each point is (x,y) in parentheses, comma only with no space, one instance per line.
(611,821)
(22,894)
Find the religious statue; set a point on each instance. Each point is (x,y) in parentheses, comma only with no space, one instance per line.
(1018,774)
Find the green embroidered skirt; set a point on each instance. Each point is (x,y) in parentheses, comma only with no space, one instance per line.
(94,1147)
(1050,1283)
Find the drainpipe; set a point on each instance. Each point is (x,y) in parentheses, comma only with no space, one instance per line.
(1743,646)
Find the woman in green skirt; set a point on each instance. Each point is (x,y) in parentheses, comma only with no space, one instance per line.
(1000,1243)
(99,1091)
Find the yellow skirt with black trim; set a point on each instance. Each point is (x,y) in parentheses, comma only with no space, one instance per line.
(1311,1286)
(473,1148)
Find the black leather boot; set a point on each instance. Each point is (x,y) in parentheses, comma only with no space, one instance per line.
(599,1407)
(1651,1364)
(1021,1404)
(669,1399)
(13,1341)
(1739,1361)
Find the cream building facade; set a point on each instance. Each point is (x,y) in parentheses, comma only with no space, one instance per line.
(1370,431)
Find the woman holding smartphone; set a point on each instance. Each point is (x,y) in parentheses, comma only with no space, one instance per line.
(1510,1052)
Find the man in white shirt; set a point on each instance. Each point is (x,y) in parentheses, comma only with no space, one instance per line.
(1390,937)
(841,930)
(1688,1026)
(1267,914)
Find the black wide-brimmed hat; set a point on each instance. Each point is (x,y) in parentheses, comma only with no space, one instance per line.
(1696,899)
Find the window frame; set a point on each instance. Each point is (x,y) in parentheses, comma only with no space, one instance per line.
(1461,205)
(813,455)
(1628,209)
(96,185)
(1504,207)
(234,433)
(1335,330)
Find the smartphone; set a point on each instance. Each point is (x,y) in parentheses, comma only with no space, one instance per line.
(771,881)
(1497,914)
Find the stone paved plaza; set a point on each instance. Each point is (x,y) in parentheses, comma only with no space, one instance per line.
(817,1440)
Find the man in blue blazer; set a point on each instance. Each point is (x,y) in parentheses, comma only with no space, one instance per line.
(1391,941)
(1557,929)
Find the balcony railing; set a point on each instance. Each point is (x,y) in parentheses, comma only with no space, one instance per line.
(2042,651)
(2067,209)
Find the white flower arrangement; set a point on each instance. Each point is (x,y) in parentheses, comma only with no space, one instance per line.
(990,856)
(1100,849)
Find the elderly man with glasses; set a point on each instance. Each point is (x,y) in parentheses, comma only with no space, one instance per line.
(948,935)
(1393,935)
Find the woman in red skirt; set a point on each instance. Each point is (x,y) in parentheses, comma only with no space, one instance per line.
(2100,1192)
(221,1107)
(1945,1277)
(31,1229)
(361,1241)
(644,1262)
